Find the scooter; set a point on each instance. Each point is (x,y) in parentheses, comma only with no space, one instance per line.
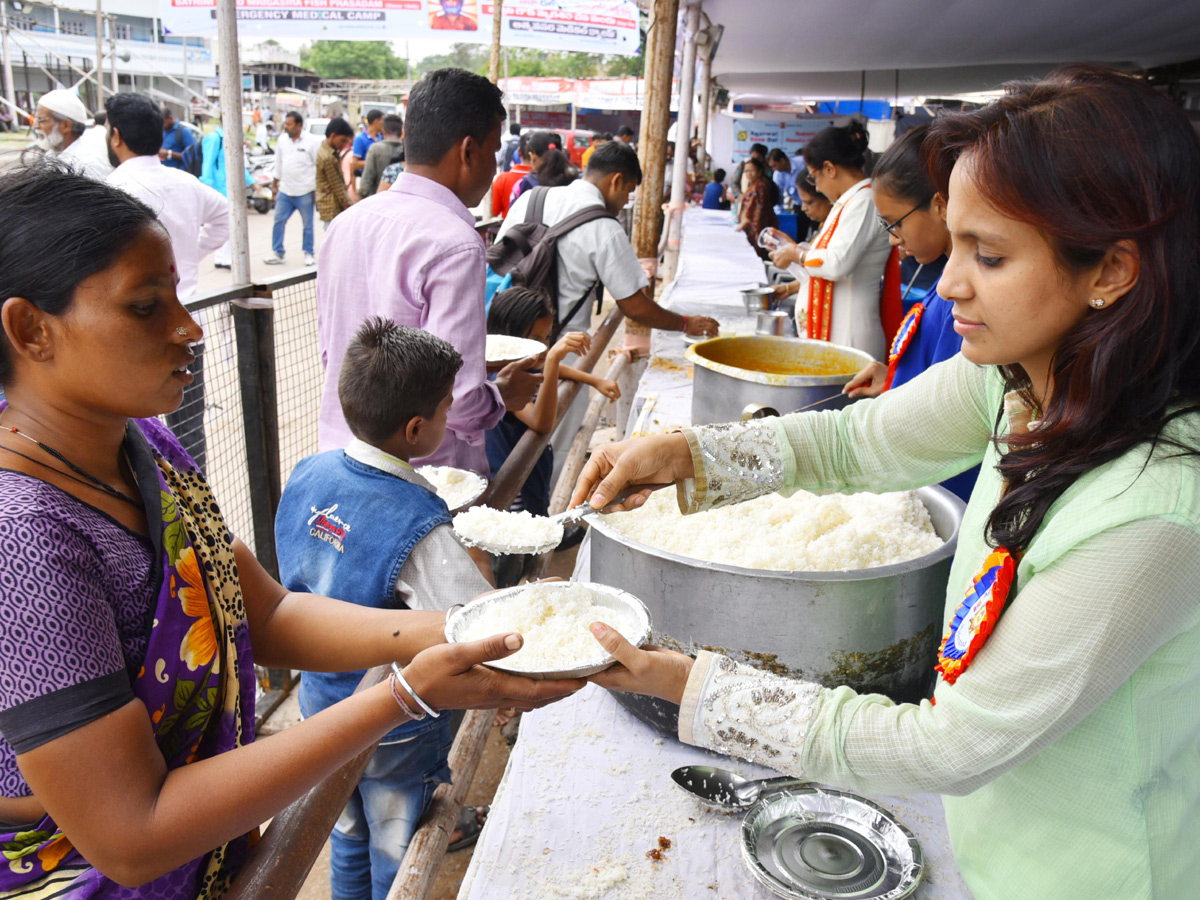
(258,193)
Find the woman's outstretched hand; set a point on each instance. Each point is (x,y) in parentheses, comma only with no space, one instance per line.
(449,676)
(660,459)
(649,670)
(867,383)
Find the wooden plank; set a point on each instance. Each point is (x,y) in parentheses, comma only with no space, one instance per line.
(423,859)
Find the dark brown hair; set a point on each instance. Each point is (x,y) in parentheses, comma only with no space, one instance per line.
(1090,157)
(391,374)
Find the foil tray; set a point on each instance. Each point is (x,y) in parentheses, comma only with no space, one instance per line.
(459,620)
(822,844)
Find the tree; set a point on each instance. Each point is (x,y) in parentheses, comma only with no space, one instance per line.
(353,59)
(472,57)
(529,63)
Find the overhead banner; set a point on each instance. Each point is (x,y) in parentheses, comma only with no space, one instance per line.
(590,26)
(790,137)
(586,93)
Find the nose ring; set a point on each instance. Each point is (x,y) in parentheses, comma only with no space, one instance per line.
(181,331)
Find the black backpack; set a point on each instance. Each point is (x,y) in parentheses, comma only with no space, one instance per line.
(193,159)
(529,251)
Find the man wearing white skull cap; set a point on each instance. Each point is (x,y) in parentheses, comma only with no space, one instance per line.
(61,121)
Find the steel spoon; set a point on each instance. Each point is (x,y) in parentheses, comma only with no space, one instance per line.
(576,513)
(727,790)
(564,518)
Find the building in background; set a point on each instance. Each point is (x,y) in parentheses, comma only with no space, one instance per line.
(53,45)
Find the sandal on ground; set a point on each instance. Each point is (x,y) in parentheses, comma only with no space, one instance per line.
(469,826)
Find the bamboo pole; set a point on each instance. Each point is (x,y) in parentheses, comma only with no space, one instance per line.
(683,138)
(577,456)
(656,119)
(231,122)
(494,61)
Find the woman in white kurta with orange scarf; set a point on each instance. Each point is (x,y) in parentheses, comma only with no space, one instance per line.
(845,264)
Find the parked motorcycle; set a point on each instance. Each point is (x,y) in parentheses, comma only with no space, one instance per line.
(259,195)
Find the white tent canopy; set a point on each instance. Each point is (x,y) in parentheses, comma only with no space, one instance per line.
(786,51)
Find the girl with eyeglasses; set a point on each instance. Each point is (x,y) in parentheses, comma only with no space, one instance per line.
(845,263)
(913,214)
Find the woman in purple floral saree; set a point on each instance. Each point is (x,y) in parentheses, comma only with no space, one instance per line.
(130,617)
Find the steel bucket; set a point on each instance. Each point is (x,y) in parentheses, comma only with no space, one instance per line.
(804,372)
(876,630)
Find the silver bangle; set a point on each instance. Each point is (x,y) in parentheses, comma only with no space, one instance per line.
(404,683)
(408,711)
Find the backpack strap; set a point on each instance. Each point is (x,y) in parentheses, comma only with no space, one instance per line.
(570,223)
(573,221)
(535,211)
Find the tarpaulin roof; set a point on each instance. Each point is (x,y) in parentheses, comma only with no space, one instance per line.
(788,50)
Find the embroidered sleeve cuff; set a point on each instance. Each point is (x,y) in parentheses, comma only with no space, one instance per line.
(691,696)
(741,711)
(733,462)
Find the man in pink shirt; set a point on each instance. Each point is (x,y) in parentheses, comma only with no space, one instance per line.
(411,254)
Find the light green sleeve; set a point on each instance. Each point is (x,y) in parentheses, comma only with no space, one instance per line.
(924,431)
(1073,635)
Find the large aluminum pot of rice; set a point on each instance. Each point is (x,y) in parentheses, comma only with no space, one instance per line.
(874,629)
(734,376)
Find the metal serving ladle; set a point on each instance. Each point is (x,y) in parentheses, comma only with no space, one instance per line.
(726,790)
(574,514)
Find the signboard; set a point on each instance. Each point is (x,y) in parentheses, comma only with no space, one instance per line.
(590,26)
(585,93)
(790,137)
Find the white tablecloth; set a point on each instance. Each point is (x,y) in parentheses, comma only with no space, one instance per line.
(587,790)
(715,264)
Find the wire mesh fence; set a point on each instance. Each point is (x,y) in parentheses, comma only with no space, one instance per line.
(299,376)
(209,422)
(240,384)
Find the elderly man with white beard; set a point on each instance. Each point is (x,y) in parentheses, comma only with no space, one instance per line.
(61,121)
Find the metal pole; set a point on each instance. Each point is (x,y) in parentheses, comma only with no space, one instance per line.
(683,139)
(99,56)
(10,87)
(656,118)
(494,61)
(702,164)
(185,66)
(112,52)
(231,121)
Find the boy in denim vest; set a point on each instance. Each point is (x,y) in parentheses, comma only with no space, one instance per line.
(361,525)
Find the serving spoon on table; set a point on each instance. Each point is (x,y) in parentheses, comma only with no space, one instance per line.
(727,790)
(567,517)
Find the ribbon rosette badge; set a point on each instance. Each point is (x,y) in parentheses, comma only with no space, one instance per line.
(976,616)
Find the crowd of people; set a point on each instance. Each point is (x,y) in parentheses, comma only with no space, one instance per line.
(1048,373)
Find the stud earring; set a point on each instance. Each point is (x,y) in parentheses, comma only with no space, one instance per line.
(1098,303)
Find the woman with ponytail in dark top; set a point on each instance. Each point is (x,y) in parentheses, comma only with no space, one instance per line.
(845,263)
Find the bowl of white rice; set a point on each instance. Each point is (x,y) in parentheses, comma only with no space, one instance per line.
(504,531)
(553,618)
(458,488)
(502,349)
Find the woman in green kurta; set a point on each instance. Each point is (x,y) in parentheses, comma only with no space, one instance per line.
(1067,742)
